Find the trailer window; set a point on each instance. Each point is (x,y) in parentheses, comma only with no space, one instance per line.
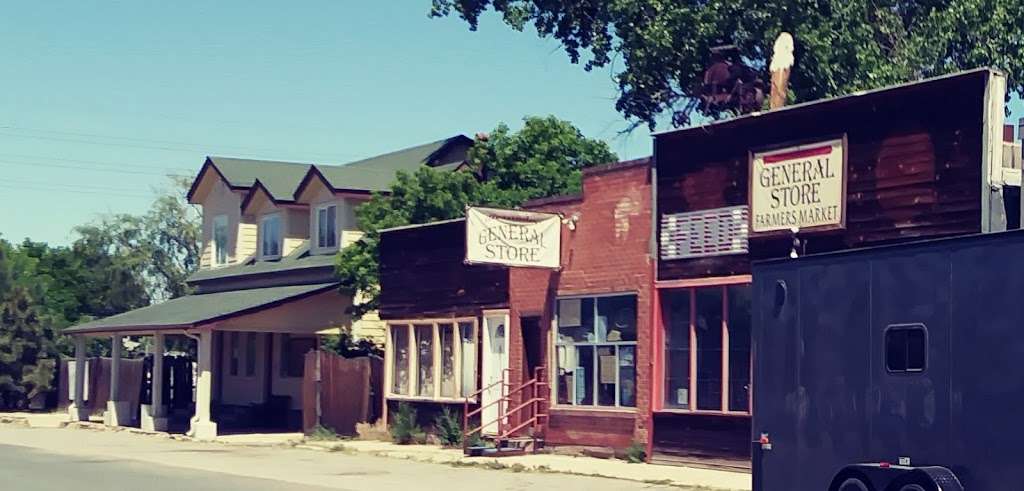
(906,348)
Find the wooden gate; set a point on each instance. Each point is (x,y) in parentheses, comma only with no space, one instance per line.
(339,392)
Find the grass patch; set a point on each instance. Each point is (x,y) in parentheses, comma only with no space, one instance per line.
(321,433)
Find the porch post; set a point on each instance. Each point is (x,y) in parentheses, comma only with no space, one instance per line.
(154,415)
(77,410)
(117,413)
(202,427)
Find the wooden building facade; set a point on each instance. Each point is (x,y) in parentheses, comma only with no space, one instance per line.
(915,161)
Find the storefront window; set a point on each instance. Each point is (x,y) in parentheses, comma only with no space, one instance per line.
(675,308)
(707,328)
(739,347)
(441,356)
(424,359)
(447,332)
(400,359)
(596,351)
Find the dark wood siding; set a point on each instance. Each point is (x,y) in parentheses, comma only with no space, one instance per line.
(914,159)
(422,275)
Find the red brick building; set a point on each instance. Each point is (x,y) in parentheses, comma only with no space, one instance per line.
(588,323)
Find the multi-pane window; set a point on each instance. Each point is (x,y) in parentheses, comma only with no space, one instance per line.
(236,351)
(270,236)
(220,240)
(432,360)
(596,351)
(326,227)
(250,354)
(707,348)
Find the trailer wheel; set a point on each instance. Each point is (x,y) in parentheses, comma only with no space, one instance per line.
(913,487)
(853,484)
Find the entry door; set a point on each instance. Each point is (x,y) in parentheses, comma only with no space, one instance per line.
(495,361)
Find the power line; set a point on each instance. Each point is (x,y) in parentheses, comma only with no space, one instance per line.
(94,169)
(167,145)
(58,185)
(24,187)
(105,163)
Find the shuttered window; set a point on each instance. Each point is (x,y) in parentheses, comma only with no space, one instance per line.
(715,232)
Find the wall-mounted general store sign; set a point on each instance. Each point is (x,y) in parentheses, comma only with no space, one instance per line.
(800,187)
(513,237)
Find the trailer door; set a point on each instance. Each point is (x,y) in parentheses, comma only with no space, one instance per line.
(910,366)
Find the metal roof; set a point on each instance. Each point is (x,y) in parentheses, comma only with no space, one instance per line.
(194,310)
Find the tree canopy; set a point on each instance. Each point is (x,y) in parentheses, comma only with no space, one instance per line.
(544,158)
(659,49)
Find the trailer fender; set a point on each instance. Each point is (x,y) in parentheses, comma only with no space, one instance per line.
(885,477)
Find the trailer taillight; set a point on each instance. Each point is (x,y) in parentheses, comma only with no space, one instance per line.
(884,465)
(766,443)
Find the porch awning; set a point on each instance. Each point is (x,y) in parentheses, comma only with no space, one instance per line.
(197,310)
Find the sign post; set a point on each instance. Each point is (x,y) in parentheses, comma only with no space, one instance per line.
(801,187)
(513,238)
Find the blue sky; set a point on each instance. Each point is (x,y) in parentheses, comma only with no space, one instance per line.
(101,100)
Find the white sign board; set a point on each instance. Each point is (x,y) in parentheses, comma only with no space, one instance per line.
(800,187)
(513,238)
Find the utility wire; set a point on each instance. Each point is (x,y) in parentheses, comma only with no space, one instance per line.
(94,169)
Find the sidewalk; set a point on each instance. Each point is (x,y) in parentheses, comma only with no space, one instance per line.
(687,477)
(684,477)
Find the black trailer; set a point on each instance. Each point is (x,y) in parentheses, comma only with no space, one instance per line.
(897,368)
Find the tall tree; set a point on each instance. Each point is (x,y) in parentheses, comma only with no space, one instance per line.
(660,48)
(544,158)
(28,348)
(161,247)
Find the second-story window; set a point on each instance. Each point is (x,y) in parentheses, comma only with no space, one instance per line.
(270,232)
(220,240)
(327,232)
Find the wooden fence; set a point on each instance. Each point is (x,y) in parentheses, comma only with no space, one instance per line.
(339,392)
(97,384)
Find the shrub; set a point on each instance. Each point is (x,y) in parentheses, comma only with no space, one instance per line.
(373,431)
(404,429)
(447,428)
(321,433)
(636,453)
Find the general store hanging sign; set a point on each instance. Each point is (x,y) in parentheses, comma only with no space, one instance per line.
(513,238)
(800,187)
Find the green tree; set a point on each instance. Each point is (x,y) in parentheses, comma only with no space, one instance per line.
(28,349)
(159,248)
(660,48)
(544,158)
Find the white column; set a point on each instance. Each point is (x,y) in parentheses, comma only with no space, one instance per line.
(118,413)
(77,410)
(202,427)
(154,414)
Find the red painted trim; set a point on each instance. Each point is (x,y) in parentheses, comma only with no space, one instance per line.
(797,154)
(657,369)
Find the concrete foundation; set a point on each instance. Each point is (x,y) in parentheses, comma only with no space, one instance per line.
(151,419)
(203,430)
(119,413)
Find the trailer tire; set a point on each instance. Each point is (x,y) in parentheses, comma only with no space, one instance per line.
(853,484)
(913,487)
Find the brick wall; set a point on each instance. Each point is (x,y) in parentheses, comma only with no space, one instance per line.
(608,252)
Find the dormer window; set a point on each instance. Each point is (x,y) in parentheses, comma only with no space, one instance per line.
(220,240)
(326,227)
(270,236)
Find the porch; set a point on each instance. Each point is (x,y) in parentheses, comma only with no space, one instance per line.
(244,370)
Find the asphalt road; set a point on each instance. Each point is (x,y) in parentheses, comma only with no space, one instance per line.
(29,469)
(83,460)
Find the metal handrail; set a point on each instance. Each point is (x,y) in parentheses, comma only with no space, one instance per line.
(535,401)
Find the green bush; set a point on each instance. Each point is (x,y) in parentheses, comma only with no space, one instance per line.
(447,428)
(321,433)
(404,429)
(636,453)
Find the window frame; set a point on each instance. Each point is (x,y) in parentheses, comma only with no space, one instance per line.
(661,349)
(556,343)
(315,232)
(215,259)
(437,365)
(913,326)
(263,232)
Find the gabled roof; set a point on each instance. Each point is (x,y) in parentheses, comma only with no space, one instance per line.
(378,173)
(279,178)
